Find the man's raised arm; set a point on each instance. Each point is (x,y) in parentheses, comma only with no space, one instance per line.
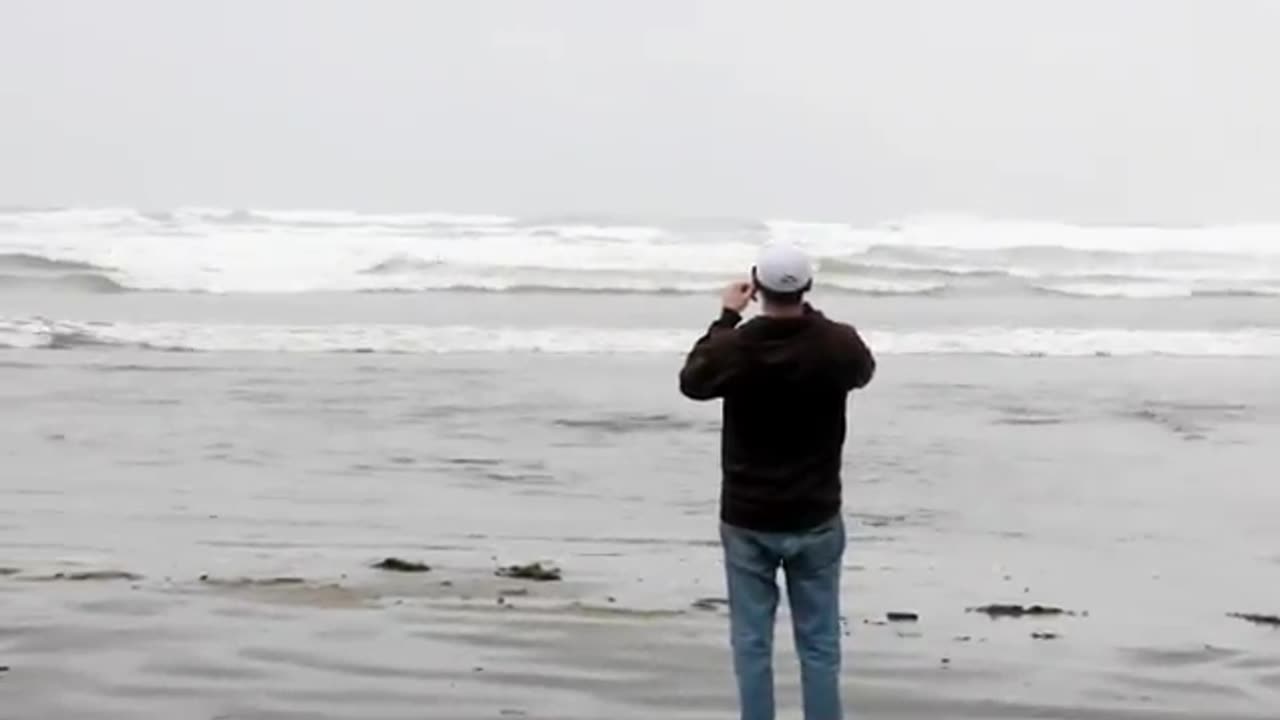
(713,362)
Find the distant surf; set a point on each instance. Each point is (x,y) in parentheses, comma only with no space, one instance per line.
(213,250)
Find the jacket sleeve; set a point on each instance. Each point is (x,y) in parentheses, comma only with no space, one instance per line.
(713,361)
(857,365)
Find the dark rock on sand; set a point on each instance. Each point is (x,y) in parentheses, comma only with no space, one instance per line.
(1256,619)
(903,617)
(395,564)
(252,582)
(533,571)
(710,604)
(91,575)
(1044,636)
(1017,611)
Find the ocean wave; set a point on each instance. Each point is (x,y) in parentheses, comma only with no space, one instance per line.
(877,287)
(410,273)
(1131,291)
(979,234)
(344,218)
(399,265)
(120,216)
(1127,290)
(30,261)
(217,250)
(635,289)
(516,284)
(73,282)
(1265,292)
(41,333)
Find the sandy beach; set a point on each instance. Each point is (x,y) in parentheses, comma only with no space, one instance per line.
(228,508)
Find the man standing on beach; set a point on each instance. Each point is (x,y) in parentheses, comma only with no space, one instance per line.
(785,377)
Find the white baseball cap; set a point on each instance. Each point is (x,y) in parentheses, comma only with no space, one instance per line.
(783,268)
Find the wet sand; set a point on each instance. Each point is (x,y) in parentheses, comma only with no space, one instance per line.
(1137,493)
(413,647)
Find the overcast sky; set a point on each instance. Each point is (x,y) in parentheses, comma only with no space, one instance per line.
(1088,110)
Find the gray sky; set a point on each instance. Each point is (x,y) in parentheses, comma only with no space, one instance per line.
(1090,110)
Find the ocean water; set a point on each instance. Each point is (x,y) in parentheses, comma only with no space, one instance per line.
(1074,416)
(940,286)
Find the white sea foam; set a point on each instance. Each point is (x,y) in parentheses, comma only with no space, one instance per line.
(416,339)
(283,251)
(966,233)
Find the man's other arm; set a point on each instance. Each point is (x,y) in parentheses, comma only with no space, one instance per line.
(857,363)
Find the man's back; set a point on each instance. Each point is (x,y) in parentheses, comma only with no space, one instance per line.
(784,381)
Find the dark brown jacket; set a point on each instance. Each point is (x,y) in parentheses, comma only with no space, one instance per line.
(785,384)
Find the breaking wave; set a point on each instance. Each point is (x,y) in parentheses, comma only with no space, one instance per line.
(28,271)
(215,250)
(1152,290)
(42,333)
(27,261)
(74,282)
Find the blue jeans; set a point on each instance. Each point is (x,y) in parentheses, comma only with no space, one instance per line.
(811,560)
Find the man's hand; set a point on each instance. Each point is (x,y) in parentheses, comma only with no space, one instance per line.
(738,296)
